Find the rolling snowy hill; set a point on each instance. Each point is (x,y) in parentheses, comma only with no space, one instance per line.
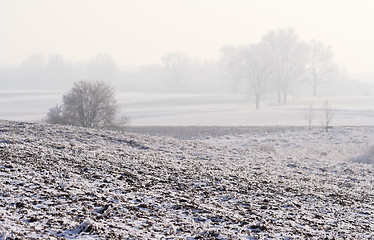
(226,183)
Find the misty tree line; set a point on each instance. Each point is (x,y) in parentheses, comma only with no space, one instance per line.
(271,68)
(177,73)
(53,72)
(278,62)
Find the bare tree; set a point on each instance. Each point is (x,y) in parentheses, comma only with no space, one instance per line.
(34,71)
(258,67)
(58,72)
(320,64)
(290,55)
(177,64)
(327,115)
(89,104)
(230,61)
(102,66)
(309,115)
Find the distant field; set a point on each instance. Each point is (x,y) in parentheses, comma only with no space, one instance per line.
(199,109)
(27,106)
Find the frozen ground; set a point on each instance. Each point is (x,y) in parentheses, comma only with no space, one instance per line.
(200,109)
(224,183)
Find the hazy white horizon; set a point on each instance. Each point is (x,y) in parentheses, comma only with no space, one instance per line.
(141,32)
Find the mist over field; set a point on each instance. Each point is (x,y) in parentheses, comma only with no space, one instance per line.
(147,109)
(169,68)
(225,59)
(176,119)
(186,91)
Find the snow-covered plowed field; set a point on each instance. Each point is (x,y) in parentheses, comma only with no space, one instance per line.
(288,183)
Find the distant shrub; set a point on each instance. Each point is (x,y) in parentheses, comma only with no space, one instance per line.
(309,115)
(327,115)
(367,157)
(89,104)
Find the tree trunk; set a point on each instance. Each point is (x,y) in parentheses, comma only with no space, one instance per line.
(257,102)
(279,92)
(315,83)
(285,95)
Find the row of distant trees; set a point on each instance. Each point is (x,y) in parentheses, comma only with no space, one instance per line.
(273,67)
(177,72)
(277,62)
(53,72)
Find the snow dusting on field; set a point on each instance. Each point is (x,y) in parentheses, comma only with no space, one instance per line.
(166,109)
(222,183)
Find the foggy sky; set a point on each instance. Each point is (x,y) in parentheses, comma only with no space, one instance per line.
(141,32)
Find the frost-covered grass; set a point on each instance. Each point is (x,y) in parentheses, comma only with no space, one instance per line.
(366,157)
(283,183)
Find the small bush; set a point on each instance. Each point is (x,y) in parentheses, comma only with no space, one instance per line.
(327,115)
(367,157)
(89,104)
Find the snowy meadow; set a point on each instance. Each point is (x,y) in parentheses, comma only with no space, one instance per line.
(190,166)
(186,120)
(152,109)
(212,183)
